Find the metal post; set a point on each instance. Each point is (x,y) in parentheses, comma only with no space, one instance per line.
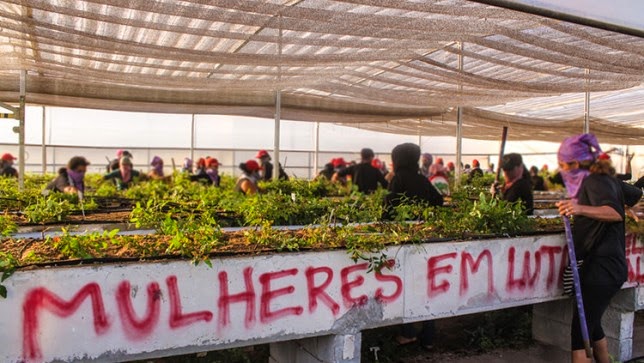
(459,119)
(316,153)
(21,131)
(44,142)
(192,138)
(278,106)
(276,142)
(587,105)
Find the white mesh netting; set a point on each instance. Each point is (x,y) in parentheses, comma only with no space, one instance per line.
(386,65)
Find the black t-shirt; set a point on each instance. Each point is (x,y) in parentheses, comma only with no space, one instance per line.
(365,176)
(412,185)
(640,183)
(538,183)
(521,189)
(601,244)
(267,171)
(9,170)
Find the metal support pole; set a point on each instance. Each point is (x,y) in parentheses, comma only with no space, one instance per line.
(192,138)
(316,152)
(459,120)
(44,140)
(278,106)
(21,131)
(276,142)
(587,105)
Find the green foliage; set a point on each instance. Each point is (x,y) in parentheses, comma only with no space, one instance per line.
(8,264)
(497,216)
(53,208)
(83,246)
(7,225)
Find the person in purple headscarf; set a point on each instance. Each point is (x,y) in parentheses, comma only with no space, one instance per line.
(212,170)
(597,204)
(70,179)
(187,166)
(125,175)
(157,168)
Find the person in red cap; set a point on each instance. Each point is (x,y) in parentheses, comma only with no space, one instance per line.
(6,166)
(247,182)
(267,166)
(363,175)
(475,172)
(327,171)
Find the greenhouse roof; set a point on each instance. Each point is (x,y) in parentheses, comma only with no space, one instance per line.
(386,65)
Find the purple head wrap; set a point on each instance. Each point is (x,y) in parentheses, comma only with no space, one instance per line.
(77,179)
(579,148)
(157,163)
(213,174)
(582,147)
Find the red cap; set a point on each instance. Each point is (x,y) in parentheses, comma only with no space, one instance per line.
(451,165)
(376,163)
(252,165)
(261,154)
(337,162)
(212,162)
(439,161)
(7,157)
(475,163)
(201,162)
(602,156)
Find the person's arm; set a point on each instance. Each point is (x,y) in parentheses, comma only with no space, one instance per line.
(602,213)
(248,188)
(382,180)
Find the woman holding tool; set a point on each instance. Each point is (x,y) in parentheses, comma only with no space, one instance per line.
(597,204)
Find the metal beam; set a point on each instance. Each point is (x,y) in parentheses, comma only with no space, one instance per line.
(9,107)
(276,141)
(587,105)
(459,121)
(571,14)
(21,131)
(316,152)
(44,144)
(192,138)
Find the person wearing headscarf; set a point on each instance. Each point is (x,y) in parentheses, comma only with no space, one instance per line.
(475,171)
(212,171)
(596,200)
(439,177)
(6,166)
(187,166)
(363,175)
(518,185)
(426,160)
(408,185)
(124,176)
(267,167)
(114,164)
(247,182)
(70,179)
(157,168)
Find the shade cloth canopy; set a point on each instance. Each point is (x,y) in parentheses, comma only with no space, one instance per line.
(385,65)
